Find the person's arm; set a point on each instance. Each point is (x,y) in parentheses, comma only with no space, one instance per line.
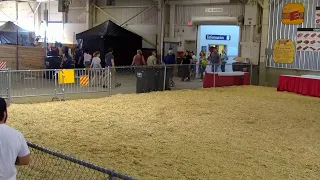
(143,61)
(100,63)
(92,62)
(155,61)
(112,63)
(133,60)
(24,153)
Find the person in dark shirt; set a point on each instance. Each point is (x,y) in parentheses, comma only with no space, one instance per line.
(214,59)
(78,58)
(55,50)
(186,66)
(110,63)
(169,60)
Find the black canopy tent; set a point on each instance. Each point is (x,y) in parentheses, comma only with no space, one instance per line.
(109,35)
(9,33)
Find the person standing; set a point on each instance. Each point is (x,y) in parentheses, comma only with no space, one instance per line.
(186,66)
(66,59)
(152,60)
(169,60)
(203,64)
(193,66)
(87,58)
(78,58)
(13,147)
(224,60)
(214,59)
(138,59)
(54,50)
(96,67)
(109,61)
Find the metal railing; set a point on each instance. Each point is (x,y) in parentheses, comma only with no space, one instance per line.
(58,83)
(48,164)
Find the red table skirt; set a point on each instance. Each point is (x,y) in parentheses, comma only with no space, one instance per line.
(301,85)
(214,80)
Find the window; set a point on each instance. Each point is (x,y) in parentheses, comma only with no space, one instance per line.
(54,32)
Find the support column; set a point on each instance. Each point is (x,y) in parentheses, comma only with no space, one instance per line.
(17,36)
(159,30)
(172,19)
(264,41)
(88,14)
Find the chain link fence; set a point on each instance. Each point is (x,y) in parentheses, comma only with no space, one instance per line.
(50,165)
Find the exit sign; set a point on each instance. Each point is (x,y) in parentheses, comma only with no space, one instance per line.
(213,10)
(189,23)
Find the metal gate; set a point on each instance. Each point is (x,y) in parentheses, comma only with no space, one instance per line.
(4,84)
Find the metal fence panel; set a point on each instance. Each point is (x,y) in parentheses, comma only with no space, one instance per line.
(96,79)
(118,80)
(4,84)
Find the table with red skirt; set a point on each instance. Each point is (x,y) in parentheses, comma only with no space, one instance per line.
(220,79)
(307,85)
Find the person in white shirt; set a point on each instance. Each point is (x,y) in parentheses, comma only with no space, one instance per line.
(96,66)
(13,147)
(87,58)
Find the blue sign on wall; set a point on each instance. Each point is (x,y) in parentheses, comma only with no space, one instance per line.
(218,37)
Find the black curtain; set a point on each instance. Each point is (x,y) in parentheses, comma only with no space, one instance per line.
(124,48)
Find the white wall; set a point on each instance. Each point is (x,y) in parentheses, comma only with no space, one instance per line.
(70,29)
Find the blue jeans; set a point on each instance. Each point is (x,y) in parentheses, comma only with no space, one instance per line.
(223,67)
(201,71)
(215,67)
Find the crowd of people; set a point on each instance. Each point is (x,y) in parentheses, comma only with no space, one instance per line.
(189,64)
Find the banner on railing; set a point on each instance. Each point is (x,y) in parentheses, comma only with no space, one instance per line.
(66,76)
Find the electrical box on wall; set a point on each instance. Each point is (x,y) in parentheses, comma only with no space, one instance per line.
(251,14)
(251,51)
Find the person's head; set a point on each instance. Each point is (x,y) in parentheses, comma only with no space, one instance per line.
(170,52)
(139,52)
(202,54)
(96,54)
(3,111)
(110,50)
(214,49)
(154,53)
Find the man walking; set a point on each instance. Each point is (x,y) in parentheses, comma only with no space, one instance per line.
(169,60)
(109,60)
(13,147)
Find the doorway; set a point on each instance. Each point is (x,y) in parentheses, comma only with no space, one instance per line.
(225,37)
